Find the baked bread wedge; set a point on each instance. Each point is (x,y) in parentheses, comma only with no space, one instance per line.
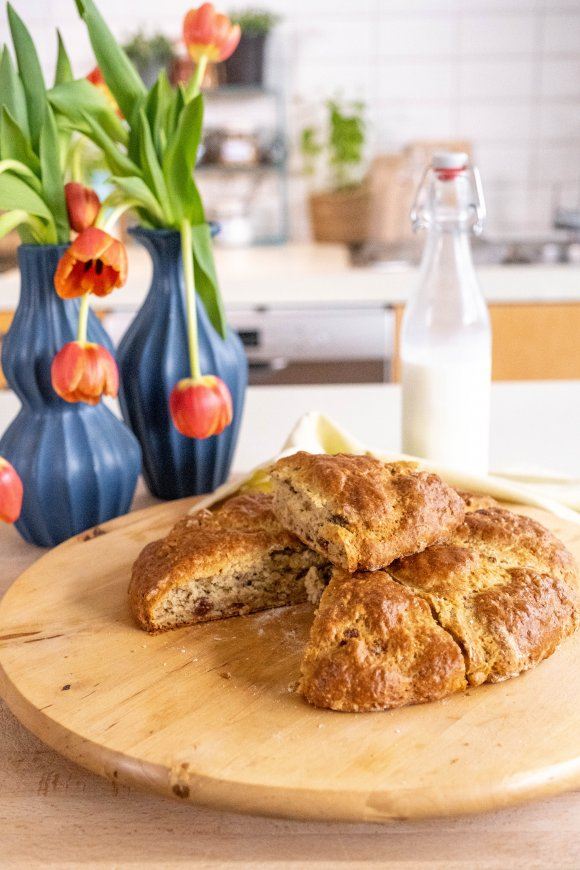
(503,586)
(234,560)
(375,645)
(362,513)
(499,595)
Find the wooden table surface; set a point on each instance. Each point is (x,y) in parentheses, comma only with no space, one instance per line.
(55,813)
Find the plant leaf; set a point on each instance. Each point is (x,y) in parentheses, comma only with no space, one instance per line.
(10,220)
(12,95)
(152,172)
(118,162)
(16,194)
(206,282)
(30,74)
(136,189)
(118,71)
(19,169)
(72,99)
(178,163)
(63,71)
(14,145)
(52,179)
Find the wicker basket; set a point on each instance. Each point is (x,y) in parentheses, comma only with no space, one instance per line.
(341,216)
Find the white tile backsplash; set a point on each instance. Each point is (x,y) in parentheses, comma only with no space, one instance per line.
(496,79)
(503,73)
(497,35)
(416,80)
(418,36)
(561,32)
(560,78)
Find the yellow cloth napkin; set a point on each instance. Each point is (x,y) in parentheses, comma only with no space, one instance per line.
(317,433)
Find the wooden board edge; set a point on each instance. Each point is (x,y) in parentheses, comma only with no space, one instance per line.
(295,804)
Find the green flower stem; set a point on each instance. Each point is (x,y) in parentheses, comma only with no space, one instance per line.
(83,319)
(187,259)
(76,161)
(194,86)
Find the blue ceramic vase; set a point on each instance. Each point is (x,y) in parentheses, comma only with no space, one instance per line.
(153,357)
(79,464)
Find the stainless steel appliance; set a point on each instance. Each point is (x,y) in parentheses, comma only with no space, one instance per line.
(316,345)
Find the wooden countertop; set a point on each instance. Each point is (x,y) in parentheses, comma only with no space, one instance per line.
(55,813)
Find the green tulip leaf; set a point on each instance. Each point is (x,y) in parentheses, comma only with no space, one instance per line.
(118,71)
(178,163)
(52,179)
(135,189)
(152,172)
(206,282)
(118,162)
(63,71)
(30,74)
(14,144)
(78,98)
(12,95)
(16,194)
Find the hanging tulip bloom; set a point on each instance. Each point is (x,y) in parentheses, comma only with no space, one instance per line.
(84,372)
(201,407)
(83,205)
(11,492)
(210,34)
(94,263)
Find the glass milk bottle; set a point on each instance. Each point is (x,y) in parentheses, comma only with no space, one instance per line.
(446,335)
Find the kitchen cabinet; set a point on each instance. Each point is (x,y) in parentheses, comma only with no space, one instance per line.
(531,341)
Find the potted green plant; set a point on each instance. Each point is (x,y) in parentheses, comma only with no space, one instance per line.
(150,55)
(341,211)
(246,66)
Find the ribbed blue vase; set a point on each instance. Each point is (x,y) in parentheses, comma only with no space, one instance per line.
(153,357)
(79,464)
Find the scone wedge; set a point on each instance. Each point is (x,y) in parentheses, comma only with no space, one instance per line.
(362,513)
(492,600)
(375,645)
(234,560)
(503,586)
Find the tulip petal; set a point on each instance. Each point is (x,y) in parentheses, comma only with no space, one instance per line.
(11,492)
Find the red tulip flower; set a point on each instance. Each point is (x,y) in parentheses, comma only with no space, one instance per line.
(82,204)
(94,263)
(209,34)
(11,492)
(83,372)
(201,407)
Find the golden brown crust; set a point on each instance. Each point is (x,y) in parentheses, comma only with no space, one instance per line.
(203,544)
(503,586)
(501,591)
(475,501)
(375,645)
(360,512)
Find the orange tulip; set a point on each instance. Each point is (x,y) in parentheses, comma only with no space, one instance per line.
(82,204)
(11,492)
(207,33)
(83,372)
(94,263)
(95,77)
(200,408)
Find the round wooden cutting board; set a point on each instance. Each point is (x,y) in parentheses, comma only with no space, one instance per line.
(209,713)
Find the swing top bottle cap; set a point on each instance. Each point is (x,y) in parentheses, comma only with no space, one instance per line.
(454,160)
